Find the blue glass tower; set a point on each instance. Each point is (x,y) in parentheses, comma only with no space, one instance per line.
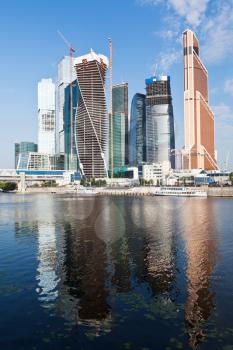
(160,136)
(118,141)
(137,135)
(70,142)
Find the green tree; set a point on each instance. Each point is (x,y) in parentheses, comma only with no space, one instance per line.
(231,178)
(142,182)
(8,186)
(83,181)
(93,182)
(51,183)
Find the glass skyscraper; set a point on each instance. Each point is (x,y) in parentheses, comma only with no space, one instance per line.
(46,117)
(65,76)
(160,137)
(137,148)
(71,156)
(118,127)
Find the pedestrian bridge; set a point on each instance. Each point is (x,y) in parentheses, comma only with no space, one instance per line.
(33,175)
(22,177)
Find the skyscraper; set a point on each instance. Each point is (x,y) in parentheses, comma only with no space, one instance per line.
(137,148)
(119,139)
(46,117)
(65,74)
(70,147)
(160,137)
(91,120)
(198,117)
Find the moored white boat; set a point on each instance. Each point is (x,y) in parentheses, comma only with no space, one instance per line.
(180,192)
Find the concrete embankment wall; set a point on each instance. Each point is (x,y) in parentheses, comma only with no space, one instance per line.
(45,190)
(122,193)
(212,192)
(220,192)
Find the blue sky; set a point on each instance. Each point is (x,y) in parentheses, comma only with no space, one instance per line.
(146,38)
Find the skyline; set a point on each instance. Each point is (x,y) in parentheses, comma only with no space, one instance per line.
(20,77)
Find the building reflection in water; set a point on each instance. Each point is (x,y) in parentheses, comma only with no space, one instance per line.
(46,271)
(153,246)
(201,246)
(47,278)
(85,259)
(83,294)
(111,228)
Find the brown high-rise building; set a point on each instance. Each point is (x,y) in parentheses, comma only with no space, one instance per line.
(198,117)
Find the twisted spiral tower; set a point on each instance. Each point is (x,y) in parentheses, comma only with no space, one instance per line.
(91,120)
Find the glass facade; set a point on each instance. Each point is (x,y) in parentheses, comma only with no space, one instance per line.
(160,137)
(137,130)
(71,157)
(118,135)
(64,78)
(25,148)
(34,161)
(46,117)
(117,142)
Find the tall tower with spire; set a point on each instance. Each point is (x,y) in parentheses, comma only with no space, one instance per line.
(198,117)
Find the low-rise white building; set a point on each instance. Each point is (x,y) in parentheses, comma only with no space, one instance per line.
(156,172)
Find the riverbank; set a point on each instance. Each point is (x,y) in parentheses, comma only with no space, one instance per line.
(135,191)
(220,192)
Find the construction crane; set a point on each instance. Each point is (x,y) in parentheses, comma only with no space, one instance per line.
(110,98)
(227,161)
(71,51)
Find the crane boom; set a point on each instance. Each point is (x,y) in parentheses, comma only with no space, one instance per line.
(65,41)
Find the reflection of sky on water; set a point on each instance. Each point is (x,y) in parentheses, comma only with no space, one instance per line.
(98,268)
(46,277)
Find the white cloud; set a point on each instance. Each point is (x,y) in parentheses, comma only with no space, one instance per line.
(228,86)
(214,91)
(218,34)
(191,10)
(166,34)
(214,27)
(223,114)
(165,60)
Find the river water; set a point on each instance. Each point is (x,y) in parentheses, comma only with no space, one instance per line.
(144,273)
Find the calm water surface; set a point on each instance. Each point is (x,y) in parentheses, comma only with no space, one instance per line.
(115,273)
